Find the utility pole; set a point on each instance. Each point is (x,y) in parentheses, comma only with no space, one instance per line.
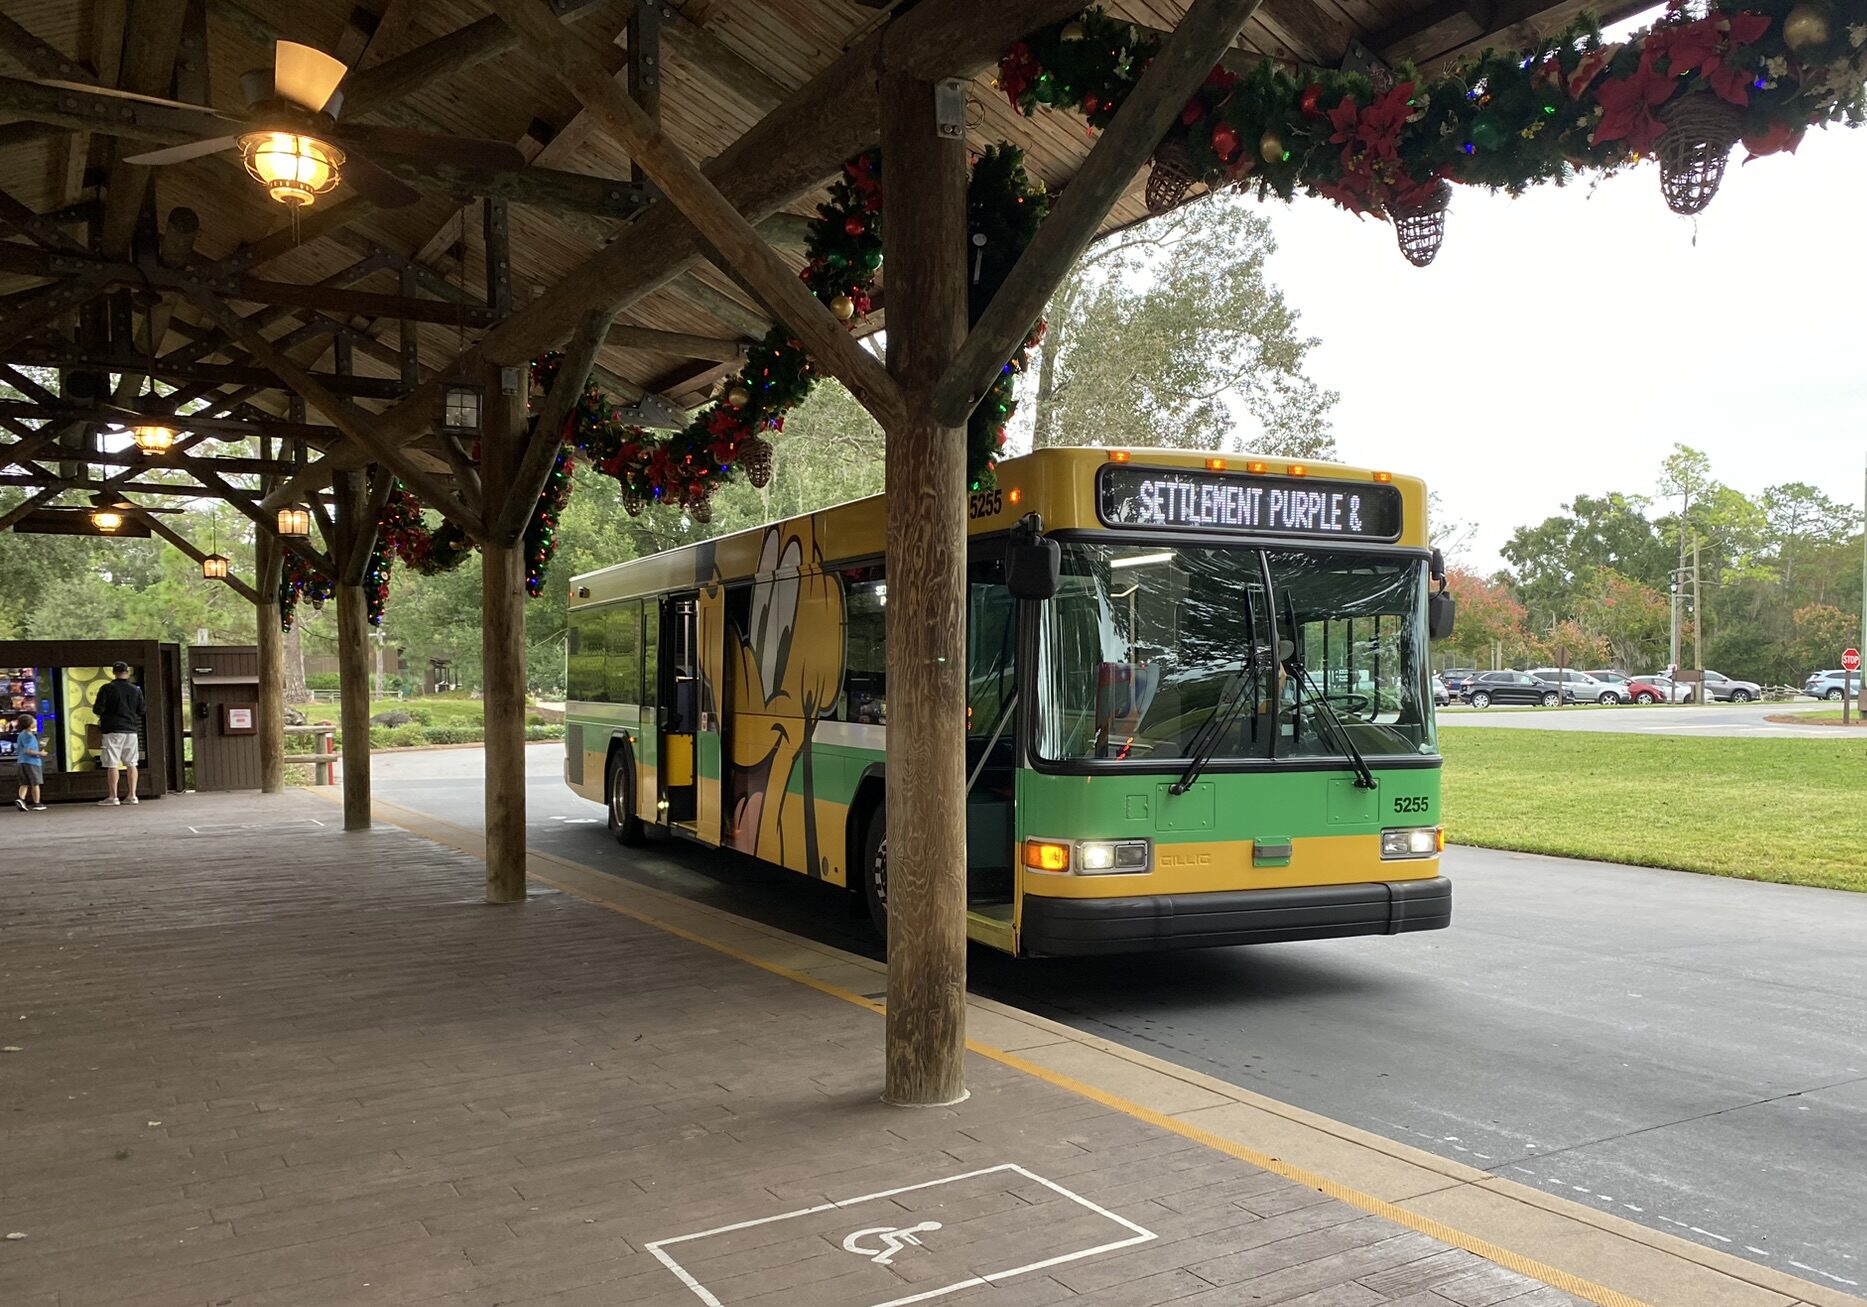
(1863,643)
(1698,626)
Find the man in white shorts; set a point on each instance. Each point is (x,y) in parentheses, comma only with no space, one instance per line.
(120,719)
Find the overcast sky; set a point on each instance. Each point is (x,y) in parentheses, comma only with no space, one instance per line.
(1562,342)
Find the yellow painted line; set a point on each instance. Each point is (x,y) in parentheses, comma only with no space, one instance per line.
(456,838)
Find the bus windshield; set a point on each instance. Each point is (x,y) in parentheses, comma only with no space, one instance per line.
(1150,653)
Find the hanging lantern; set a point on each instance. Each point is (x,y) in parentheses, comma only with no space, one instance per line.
(1694,148)
(295,169)
(755,457)
(1171,177)
(153,437)
(1420,225)
(460,410)
(106,519)
(295,520)
(214,567)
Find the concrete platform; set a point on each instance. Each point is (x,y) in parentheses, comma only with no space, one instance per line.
(251,1059)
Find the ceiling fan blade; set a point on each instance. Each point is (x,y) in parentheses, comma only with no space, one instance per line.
(471,151)
(383,189)
(88,89)
(304,75)
(183,153)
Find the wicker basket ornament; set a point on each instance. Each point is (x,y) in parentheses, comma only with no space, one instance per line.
(755,458)
(1171,177)
(1694,148)
(1420,225)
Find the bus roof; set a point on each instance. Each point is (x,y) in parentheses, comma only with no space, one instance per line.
(1059,484)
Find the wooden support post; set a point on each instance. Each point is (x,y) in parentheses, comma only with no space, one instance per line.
(645,68)
(925,238)
(502,633)
(353,662)
(269,562)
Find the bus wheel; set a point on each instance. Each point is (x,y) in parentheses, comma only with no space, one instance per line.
(875,869)
(623,823)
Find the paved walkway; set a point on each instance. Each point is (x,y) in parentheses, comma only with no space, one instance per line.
(253,1060)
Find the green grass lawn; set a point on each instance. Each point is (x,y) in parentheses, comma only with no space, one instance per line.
(1825,715)
(442,712)
(1793,811)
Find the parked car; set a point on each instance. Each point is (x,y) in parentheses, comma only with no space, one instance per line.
(1670,690)
(1456,678)
(1511,687)
(1441,695)
(1634,689)
(1834,684)
(1580,687)
(1720,687)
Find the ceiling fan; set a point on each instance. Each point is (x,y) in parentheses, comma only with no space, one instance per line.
(293,144)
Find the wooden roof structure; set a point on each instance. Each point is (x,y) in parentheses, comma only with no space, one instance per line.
(634,192)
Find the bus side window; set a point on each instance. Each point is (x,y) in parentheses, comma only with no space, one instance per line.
(623,664)
(865,657)
(585,669)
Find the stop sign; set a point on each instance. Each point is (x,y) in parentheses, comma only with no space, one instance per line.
(1851,659)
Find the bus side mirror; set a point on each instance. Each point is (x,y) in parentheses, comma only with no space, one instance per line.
(1033,565)
(1441,609)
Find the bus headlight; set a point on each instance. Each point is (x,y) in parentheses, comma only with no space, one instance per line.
(1113,857)
(1411,842)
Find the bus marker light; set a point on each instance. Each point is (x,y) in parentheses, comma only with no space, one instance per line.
(1442,838)
(1298,470)
(1047,855)
(1215,465)
(1384,477)
(1119,456)
(1257,467)
(1014,496)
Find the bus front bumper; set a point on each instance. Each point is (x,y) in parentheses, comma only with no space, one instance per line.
(1057,927)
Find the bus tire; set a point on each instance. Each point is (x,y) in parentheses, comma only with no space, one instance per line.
(875,869)
(623,823)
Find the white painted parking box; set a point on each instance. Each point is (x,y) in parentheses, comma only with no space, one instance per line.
(913,1244)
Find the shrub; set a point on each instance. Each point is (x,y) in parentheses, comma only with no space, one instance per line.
(544,732)
(323,681)
(454,734)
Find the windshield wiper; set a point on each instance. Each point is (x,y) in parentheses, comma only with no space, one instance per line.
(1212,730)
(1364,778)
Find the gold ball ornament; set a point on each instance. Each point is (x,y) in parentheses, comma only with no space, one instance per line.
(1271,147)
(843,307)
(1806,27)
(738,396)
(1073,31)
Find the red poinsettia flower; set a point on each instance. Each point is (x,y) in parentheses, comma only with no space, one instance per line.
(1627,105)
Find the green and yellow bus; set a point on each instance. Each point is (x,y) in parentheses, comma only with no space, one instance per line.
(1217,729)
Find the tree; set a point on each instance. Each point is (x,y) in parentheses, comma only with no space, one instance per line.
(1570,644)
(1490,622)
(1552,560)
(1798,517)
(1822,632)
(1169,334)
(1633,619)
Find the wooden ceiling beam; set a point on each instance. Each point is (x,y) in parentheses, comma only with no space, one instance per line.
(393,79)
(725,231)
(788,154)
(314,436)
(679,343)
(150,48)
(221,374)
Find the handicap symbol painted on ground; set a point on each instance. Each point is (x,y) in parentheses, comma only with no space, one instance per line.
(893,1240)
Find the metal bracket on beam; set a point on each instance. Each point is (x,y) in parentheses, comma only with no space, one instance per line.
(652,411)
(950,109)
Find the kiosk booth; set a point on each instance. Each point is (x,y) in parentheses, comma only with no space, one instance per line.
(56,683)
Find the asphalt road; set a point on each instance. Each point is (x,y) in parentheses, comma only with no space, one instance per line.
(1685,1051)
(1747,720)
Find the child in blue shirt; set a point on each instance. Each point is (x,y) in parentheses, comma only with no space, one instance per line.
(31,765)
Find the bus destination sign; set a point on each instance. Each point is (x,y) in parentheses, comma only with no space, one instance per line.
(1187,499)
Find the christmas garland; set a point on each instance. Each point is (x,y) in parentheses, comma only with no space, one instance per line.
(844,249)
(1685,90)
(298,580)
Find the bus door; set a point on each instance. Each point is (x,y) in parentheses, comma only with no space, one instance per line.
(679,699)
(709,765)
(991,750)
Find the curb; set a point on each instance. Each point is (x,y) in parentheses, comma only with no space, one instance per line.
(1589,1253)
